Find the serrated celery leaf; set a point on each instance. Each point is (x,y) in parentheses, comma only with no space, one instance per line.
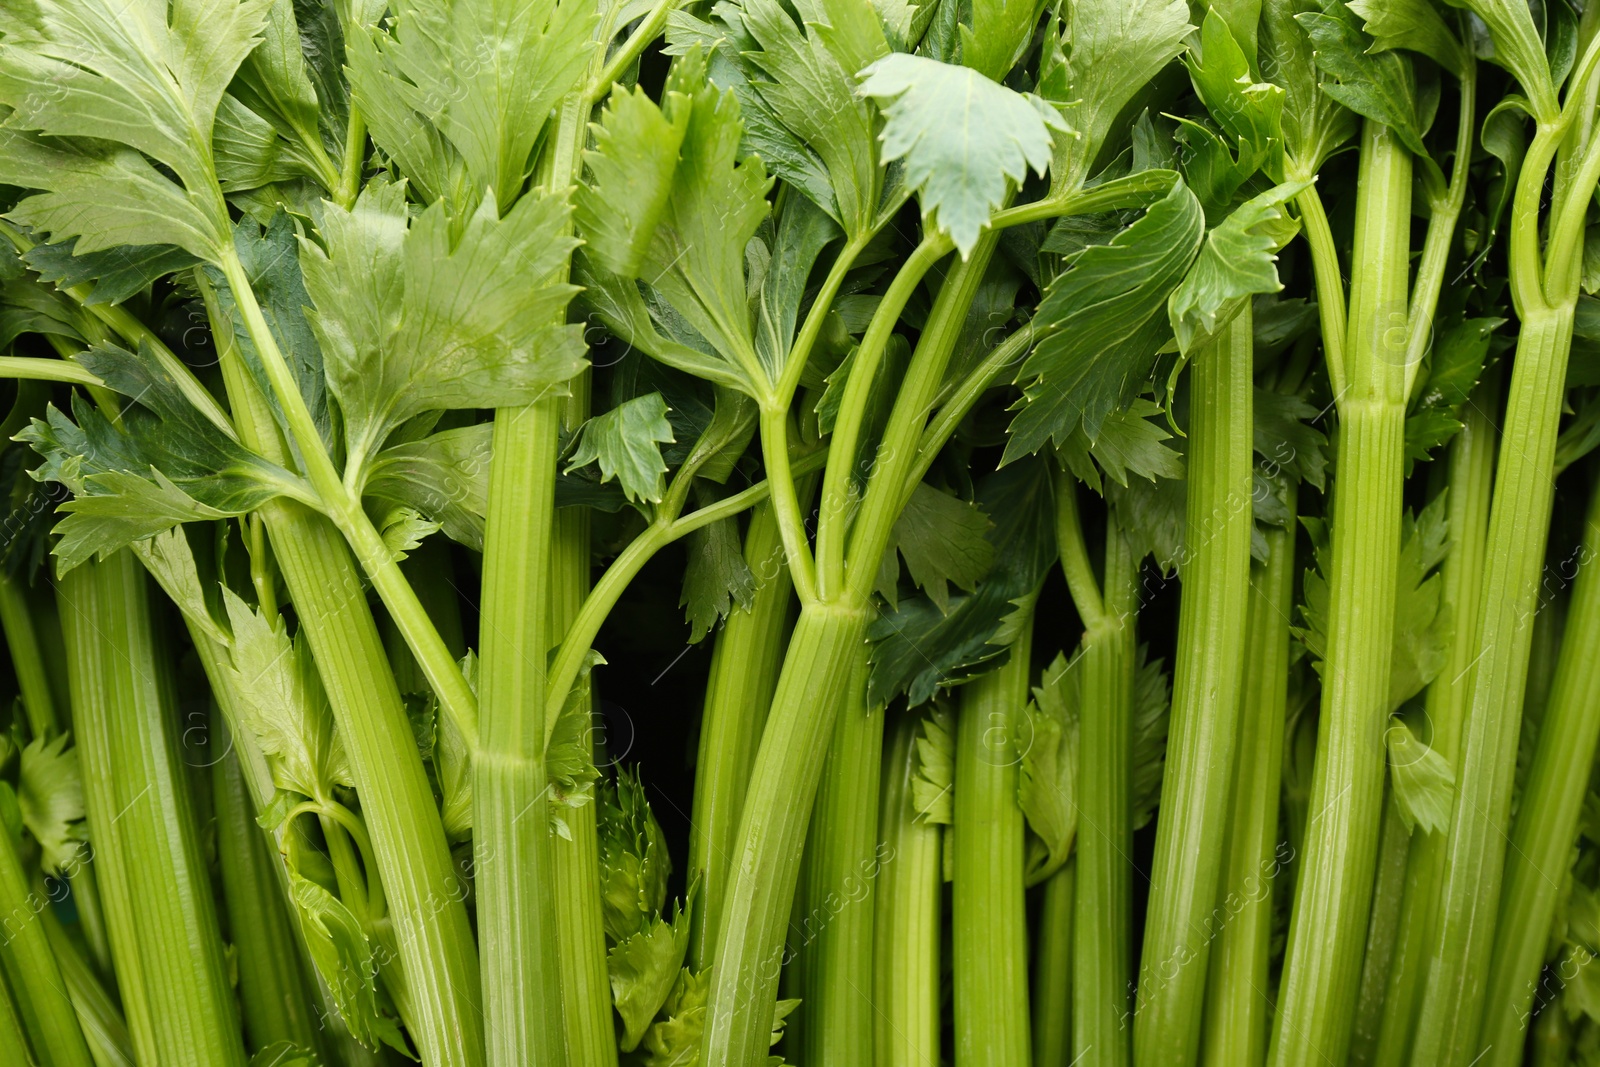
(344,957)
(484,74)
(716,579)
(1286,440)
(1249,110)
(634,864)
(1423,781)
(626,443)
(282,703)
(1379,86)
(444,477)
(1047,738)
(919,649)
(1412,25)
(50,799)
(116,273)
(643,969)
(1237,261)
(965,139)
(1131,442)
(1105,322)
(933,786)
(943,540)
(1152,706)
(631,172)
(411,320)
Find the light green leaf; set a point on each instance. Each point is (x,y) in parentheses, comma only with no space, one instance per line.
(484,74)
(415,319)
(644,968)
(1423,781)
(403,530)
(1047,788)
(1106,53)
(343,956)
(282,703)
(1000,33)
(50,797)
(452,759)
(1152,706)
(1377,86)
(444,477)
(630,180)
(626,442)
(248,152)
(569,755)
(1423,624)
(943,539)
(1415,25)
(717,578)
(1237,261)
(1517,47)
(933,786)
(1314,123)
(1103,324)
(1249,110)
(170,561)
(274,79)
(634,863)
(964,138)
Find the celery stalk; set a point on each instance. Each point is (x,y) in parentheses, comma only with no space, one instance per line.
(1239,1004)
(989,943)
(1334,884)
(905,968)
(1052,971)
(1205,701)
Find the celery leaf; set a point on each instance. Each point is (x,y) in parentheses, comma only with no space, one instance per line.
(626,443)
(643,968)
(50,797)
(1047,789)
(344,957)
(943,540)
(444,477)
(965,139)
(717,578)
(1423,780)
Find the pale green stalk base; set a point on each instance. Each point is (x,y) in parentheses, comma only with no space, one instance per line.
(1333,887)
(273,991)
(1239,993)
(157,889)
(1052,971)
(1383,931)
(1470,481)
(1207,681)
(905,969)
(1547,819)
(744,672)
(49,1009)
(842,862)
(772,830)
(1452,1005)
(989,940)
(1101,1030)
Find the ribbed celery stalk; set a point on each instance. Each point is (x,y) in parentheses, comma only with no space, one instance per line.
(1103,912)
(1547,818)
(1470,477)
(824,644)
(1322,964)
(905,966)
(274,995)
(1215,572)
(436,948)
(581,935)
(157,890)
(1052,971)
(744,672)
(49,1010)
(841,876)
(989,941)
(103,1026)
(27,659)
(13,1041)
(1238,999)
(1383,931)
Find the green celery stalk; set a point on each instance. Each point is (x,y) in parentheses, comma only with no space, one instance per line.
(49,1012)
(1103,909)
(824,644)
(1544,285)
(273,992)
(27,658)
(98,1015)
(1470,478)
(1333,889)
(13,1040)
(437,953)
(744,673)
(841,862)
(989,941)
(1052,970)
(1238,1002)
(1205,702)
(906,929)
(1547,818)
(1383,931)
(157,889)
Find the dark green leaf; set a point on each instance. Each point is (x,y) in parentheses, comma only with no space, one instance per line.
(115,274)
